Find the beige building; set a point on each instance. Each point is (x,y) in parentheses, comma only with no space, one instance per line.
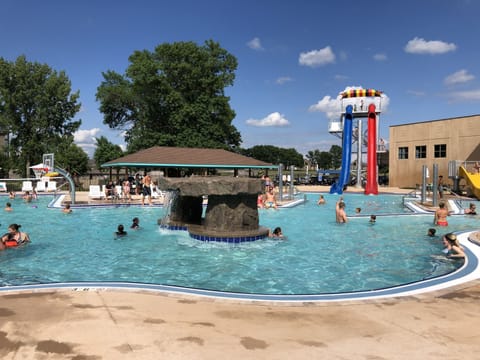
(432,142)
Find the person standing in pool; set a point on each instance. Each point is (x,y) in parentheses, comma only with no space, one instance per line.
(441,214)
(340,214)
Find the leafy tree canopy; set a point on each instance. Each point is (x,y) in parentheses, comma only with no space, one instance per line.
(71,157)
(106,151)
(173,96)
(326,159)
(275,155)
(36,110)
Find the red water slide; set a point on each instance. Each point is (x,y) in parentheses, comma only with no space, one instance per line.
(372,179)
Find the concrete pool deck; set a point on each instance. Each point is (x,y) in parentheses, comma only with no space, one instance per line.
(93,324)
(111,324)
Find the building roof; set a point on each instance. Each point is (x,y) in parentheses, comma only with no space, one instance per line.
(162,156)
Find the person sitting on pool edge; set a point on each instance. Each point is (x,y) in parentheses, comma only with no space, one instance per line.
(135,223)
(270,200)
(14,237)
(471,210)
(120,231)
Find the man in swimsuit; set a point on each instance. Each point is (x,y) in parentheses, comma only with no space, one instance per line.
(270,201)
(441,214)
(147,191)
(341,215)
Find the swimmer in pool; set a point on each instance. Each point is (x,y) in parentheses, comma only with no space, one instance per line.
(120,231)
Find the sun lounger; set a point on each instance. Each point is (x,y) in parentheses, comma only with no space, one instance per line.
(52,186)
(40,186)
(27,186)
(3,186)
(95,192)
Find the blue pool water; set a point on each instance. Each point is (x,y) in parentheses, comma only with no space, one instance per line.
(319,256)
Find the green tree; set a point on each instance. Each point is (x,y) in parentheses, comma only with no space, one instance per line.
(275,155)
(72,158)
(324,160)
(106,151)
(336,152)
(312,157)
(174,96)
(36,110)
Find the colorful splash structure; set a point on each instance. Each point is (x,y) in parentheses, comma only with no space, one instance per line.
(355,110)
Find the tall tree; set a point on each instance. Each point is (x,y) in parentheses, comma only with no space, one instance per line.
(275,155)
(106,151)
(336,152)
(174,96)
(72,158)
(325,160)
(36,109)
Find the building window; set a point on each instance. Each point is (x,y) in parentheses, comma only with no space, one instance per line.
(403,152)
(420,152)
(440,151)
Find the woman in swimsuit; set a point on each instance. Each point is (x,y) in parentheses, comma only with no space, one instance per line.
(452,246)
(441,214)
(14,236)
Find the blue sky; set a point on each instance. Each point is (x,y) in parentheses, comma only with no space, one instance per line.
(295,57)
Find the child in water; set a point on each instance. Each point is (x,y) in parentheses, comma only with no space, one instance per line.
(135,223)
(120,231)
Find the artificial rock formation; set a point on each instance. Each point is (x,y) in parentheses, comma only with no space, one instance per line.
(232,204)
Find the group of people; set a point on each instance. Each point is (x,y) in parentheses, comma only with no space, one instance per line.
(451,246)
(121,229)
(143,186)
(341,214)
(268,199)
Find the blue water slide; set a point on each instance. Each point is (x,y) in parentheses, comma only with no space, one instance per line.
(337,188)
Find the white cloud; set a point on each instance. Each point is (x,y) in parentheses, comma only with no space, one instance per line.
(416,92)
(341,77)
(255,44)
(461,76)
(379,57)
(316,58)
(86,140)
(85,136)
(273,120)
(460,96)
(283,79)
(432,47)
(332,107)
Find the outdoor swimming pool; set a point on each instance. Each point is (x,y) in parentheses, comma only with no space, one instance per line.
(319,256)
